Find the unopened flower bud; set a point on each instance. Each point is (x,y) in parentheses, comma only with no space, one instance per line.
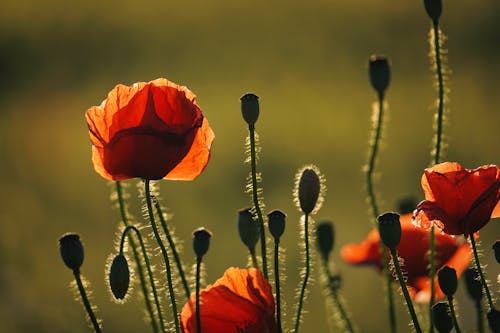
(447,277)
(442,318)
(407,205)
(248,229)
(380,73)
(389,228)
(496,248)
(494,320)
(71,249)
(325,238)
(250,108)
(119,277)
(473,285)
(276,221)
(201,241)
(434,9)
(308,189)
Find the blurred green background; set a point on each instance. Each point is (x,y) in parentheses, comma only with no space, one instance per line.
(308,63)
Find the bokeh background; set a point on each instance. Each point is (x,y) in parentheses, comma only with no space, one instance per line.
(308,63)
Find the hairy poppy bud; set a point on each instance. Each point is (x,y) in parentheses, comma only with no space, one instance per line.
(71,249)
(308,188)
(474,286)
(442,318)
(380,73)
(201,241)
(433,9)
(406,205)
(447,277)
(248,229)
(496,248)
(389,228)
(325,238)
(494,320)
(250,108)
(276,221)
(119,276)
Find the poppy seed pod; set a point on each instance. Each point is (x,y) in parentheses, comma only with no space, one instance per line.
(496,248)
(250,108)
(308,189)
(434,9)
(380,73)
(494,320)
(248,229)
(474,286)
(201,241)
(71,249)
(389,228)
(276,221)
(119,277)
(325,238)
(447,277)
(442,319)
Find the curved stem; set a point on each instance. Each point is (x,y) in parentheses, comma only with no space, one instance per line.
(277,284)
(440,111)
(198,316)
(453,315)
(306,273)
(150,272)
(147,192)
(481,275)
(137,259)
(86,302)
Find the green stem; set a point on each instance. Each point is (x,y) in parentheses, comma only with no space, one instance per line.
(254,259)
(173,248)
(402,282)
(375,210)
(137,259)
(453,315)
(481,275)
(440,114)
(479,313)
(148,266)
(277,284)
(432,274)
(253,161)
(147,191)
(86,302)
(198,316)
(306,274)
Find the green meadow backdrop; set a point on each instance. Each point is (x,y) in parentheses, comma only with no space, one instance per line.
(308,63)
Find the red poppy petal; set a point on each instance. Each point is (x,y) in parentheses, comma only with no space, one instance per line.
(364,253)
(482,209)
(97,160)
(440,168)
(428,213)
(496,211)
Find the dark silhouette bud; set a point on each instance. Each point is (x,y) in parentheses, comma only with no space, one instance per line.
(248,229)
(201,241)
(71,249)
(325,238)
(433,9)
(380,73)
(389,228)
(442,318)
(407,205)
(494,320)
(276,221)
(308,189)
(447,277)
(473,285)
(250,108)
(496,248)
(119,276)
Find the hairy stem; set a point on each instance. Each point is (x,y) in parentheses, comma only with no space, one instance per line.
(86,302)
(277,284)
(198,316)
(306,274)
(481,274)
(453,315)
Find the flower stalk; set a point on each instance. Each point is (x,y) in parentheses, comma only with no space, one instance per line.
(86,302)
(481,274)
(306,273)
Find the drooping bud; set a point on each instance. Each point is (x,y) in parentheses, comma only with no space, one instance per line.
(496,248)
(201,241)
(494,320)
(325,238)
(250,108)
(119,277)
(389,228)
(308,189)
(447,277)
(71,249)
(473,285)
(276,221)
(406,205)
(248,228)
(442,318)
(434,9)
(380,73)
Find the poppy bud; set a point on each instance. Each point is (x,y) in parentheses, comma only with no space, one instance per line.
(494,320)
(380,73)
(496,248)
(433,9)
(442,318)
(447,277)
(276,221)
(250,108)
(406,205)
(308,188)
(389,228)
(71,249)
(325,239)
(474,286)
(201,241)
(119,276)
(248,229)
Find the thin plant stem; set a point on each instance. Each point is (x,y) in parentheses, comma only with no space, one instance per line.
(375,210)
(479,313)
(137,259)
(254,259)
(306,273)
(198,316)
(453,315)
(277,284)
(481,275)
(255,196)
(402,282)
(173,248)
(173,302)
(432,274)
(148,266)
(86,302)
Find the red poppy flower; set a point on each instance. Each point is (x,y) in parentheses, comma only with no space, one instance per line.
(413,249)
(459,201)
(149,130)
(239,302)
